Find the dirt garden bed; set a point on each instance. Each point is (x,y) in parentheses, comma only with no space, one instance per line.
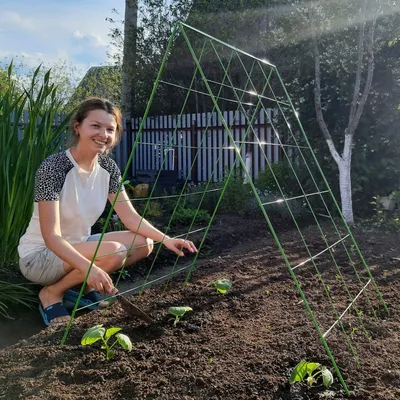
(242,345)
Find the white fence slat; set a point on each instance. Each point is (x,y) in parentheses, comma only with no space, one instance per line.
(231,125)
(215,145)
(199,139)
(225,142)
(204,145)
(220,153)
(276,141)
(209,145)
(256,148)
(269,136)
(188,134)
(242,134)
(166,140)
(184,154)
(155,145)
(263,147)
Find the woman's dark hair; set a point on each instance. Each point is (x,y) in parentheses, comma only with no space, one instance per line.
(96,103)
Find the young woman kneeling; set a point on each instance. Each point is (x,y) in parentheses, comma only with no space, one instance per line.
(71,191)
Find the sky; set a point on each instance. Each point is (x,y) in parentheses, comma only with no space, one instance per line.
(48,30)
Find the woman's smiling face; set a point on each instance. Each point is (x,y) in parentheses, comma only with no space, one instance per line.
(97,131)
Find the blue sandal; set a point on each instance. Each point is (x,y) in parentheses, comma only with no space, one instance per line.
(89,300)
(51,312)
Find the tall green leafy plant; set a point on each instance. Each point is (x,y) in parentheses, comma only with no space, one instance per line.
(28,134)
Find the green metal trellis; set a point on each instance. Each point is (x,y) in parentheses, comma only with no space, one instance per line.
(263,84)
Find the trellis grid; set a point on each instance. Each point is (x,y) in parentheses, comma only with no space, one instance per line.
(253,86)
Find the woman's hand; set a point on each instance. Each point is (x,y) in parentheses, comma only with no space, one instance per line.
(101,281)
(176,245)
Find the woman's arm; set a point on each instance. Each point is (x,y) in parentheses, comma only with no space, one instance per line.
(135,223)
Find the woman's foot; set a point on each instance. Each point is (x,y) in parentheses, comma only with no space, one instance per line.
(48,298)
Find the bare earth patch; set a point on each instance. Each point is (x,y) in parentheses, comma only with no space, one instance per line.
(239,346)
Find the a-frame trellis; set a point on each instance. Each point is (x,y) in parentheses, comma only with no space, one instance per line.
(220,77)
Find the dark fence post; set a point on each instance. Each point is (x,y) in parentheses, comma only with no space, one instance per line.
(129,142)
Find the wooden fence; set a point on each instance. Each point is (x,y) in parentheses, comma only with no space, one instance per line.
(197,146)
(24,120)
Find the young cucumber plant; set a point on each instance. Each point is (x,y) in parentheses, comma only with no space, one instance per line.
(222,285)
(311,371)
(178,312)
(95,333)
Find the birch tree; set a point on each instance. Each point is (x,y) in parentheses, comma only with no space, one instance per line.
(361,90)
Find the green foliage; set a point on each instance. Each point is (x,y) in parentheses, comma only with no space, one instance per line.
(389,220)
(178,312)
(5,81)
(185,216)
(311,371)
(277,209)
(196,198)
(96,333)
(104,81)
(21,156)
(236,194)
(152,209)
(222,285)
(279,173)
(14,295)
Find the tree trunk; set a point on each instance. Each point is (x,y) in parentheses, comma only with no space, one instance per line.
(345,192)
(129,60)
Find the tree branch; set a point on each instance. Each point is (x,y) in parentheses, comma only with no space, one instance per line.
(357,85)
(368,83)
(317,91)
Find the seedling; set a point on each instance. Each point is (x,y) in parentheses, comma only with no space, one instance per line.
(353,332)
(96,333)
(311,371)
(222,285)
(178,312)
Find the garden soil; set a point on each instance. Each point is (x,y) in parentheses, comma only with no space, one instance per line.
(242,345)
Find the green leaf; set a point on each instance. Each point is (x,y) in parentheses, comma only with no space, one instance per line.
(111,331)
(299,372)
(179,311)
(93,334)
(327,377)
(222,285)
(311,367)
(124,341)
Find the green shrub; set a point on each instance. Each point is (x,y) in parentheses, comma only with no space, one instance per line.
(385,219)
(278,211)
(236,195)
(152,209)
(196,198)
(185,216)
(266,179)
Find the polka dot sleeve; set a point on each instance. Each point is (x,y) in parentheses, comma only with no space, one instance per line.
(50,177)
(115,174)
